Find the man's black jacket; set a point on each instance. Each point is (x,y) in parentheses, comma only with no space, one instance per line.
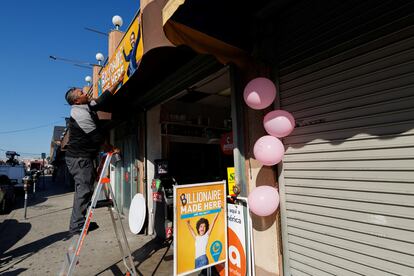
(85,134)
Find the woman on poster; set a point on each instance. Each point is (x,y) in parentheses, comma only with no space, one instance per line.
(201,239)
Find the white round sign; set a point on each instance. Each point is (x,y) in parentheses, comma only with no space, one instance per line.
(137,211)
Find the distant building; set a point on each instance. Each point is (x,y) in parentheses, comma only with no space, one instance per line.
(57,156)
(58,132)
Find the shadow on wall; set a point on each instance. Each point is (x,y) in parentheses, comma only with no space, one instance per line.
(337,132)
(265,177)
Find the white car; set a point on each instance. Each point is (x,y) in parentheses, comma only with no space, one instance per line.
(14,173)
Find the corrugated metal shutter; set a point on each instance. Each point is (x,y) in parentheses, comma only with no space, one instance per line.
(347,185)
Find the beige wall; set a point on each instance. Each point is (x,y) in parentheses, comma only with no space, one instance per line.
(115,37)
(153,33)
(95,76)
(266,230)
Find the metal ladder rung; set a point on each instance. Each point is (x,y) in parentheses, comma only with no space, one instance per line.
(104,203)
(68,258)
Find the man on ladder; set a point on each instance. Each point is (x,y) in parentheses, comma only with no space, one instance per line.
(85,141)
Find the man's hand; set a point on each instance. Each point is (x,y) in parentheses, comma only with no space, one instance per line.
(109,148)
(113,88)
(121,78)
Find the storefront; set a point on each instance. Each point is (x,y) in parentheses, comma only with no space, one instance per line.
(345,72)
(188,114)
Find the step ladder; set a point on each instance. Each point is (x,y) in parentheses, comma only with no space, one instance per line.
(73,253)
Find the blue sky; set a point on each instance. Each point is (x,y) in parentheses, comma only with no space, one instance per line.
(32,86)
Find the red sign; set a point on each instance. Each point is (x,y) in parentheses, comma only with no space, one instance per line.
(157,196)
(168,232)
(226,143)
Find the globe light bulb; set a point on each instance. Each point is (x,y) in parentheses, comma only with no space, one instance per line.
(100,58)
(88,79)
(117,21)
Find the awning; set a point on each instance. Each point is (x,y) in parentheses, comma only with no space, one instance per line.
(159,58)
(228,21)
(224,29)
(175,32)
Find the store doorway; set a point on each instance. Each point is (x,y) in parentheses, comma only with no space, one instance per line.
(195,163)
(194,127)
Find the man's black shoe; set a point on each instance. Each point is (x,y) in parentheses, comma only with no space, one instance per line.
(92,226)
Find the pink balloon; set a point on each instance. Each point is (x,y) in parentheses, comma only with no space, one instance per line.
(279,123)
(263,200)
(268,150)
(259,93)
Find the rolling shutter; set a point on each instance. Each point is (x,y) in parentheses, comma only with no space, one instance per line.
(347,180)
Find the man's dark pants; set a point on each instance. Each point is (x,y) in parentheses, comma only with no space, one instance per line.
(83,172)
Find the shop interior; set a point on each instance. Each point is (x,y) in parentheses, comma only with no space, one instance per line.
(195,128)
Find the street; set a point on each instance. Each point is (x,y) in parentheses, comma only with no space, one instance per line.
(37,245)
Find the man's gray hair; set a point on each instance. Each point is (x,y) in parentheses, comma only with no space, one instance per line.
(70,96)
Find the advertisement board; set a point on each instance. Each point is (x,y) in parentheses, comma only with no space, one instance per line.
(200,226)
(237,265)
(231,181)
(125,59)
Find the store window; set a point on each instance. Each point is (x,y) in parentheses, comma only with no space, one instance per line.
(126,174)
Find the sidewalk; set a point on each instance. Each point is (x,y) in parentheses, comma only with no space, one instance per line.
(36,246)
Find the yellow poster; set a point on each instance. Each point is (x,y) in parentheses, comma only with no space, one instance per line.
(125,59)
(200,226)
(231,182)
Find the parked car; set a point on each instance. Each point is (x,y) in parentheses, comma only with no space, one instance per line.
(7,194)
(13,169)
(15,173)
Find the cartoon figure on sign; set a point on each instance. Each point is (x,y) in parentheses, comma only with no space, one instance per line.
(201,239)
(183,199)
(131,57)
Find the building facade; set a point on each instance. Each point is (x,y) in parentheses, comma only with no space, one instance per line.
(343,69)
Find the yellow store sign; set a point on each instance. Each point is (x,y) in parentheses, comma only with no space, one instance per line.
(125,59)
